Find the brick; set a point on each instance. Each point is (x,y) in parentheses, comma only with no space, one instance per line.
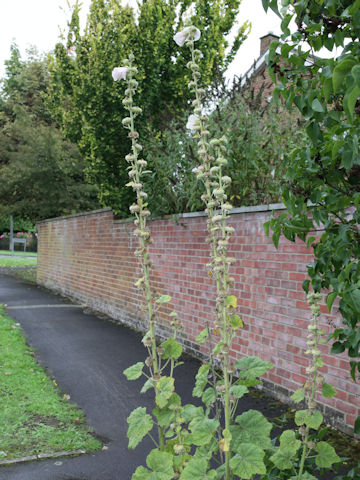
(91,257)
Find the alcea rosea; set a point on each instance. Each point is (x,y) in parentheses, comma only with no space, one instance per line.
(212,154)
(140,423)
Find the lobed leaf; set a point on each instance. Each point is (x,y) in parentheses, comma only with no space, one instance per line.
(140,424)
(326,456)
(164,389)
(252,367)
(134,372)
(172,349)
(311,420)
(251,427)
(248,461)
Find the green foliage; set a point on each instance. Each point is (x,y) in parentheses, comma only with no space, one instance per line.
(171,349)
(326,455)
(311,420)
(88,107)
(135,371)
(284,456)
(160,464)
(322,194)
(41,174)
(248,461)
(140,424)
(251,427)
(257,134)
(252,367)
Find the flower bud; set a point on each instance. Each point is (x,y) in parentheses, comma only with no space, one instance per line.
(160,350)
(147,342)
(149,362)
(217,218)
(134,208)
(126,121)
(179,449)
(142,163)
(226,180)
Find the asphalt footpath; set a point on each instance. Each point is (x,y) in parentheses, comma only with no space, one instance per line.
(87,355)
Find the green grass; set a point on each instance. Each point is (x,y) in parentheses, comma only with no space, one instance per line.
(18,253)
(34,417)
(28,274)
(17,261)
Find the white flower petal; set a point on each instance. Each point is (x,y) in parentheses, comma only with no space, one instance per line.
(186,34)
(119,73)
(180,38)
(193,120)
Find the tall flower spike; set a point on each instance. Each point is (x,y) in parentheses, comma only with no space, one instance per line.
(215,197)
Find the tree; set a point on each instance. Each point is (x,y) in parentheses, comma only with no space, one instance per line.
(41,174)
(257,133)
(88,105)
(322,194)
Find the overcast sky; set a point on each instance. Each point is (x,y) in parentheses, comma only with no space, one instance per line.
(39,23)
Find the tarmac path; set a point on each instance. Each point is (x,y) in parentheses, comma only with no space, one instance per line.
(86,355)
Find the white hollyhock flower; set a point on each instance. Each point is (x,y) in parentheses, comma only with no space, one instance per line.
(186,34)
(119,73)
(193,120)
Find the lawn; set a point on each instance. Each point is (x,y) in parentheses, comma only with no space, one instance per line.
(18,253)
(17,261)
(35,417)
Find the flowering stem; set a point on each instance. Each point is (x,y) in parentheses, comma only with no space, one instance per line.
(313,342)
(141,212)
(219,233)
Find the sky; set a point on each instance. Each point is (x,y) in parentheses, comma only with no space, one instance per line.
(40,22)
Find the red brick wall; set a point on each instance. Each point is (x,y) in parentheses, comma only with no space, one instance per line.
(90,257)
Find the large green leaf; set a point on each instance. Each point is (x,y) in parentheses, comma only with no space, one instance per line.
(172,349)
(326,456)
(196,469)
(166,415)
(287,451)
(238,390)
(350,99)
(140,424)
(248,461)
(353,299)
(203,336)
(251,427)
(311,420)
(201,380)
(252,367)
(202,430)
(208,396)
(164,389)
(341,70)
(298,396)
(164,299)
(134,372)
(328,390)
(160,464)
(330,298)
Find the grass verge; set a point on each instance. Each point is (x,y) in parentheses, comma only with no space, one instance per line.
(18,253)
(17,261)
(34,417)
(28,274)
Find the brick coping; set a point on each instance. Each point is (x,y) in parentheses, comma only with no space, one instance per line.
(235,211)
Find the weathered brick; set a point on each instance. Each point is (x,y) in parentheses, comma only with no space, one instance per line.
(90,257)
